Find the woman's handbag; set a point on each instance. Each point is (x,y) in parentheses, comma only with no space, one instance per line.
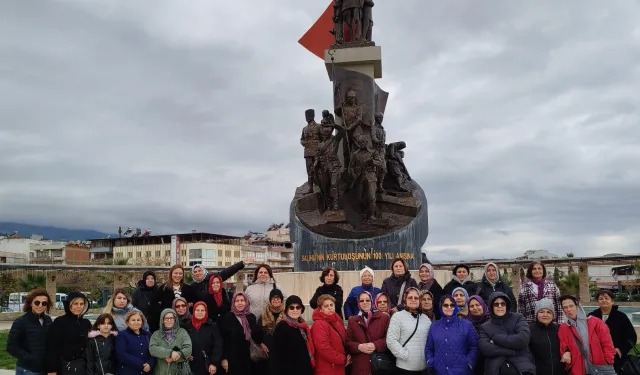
(382,363)
(256,352)
(591,368)
(631,364)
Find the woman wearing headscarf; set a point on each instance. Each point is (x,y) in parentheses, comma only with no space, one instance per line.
(329,279)
(426,305)
(536,287)
(504,340)
(238,328)
(544,343)
(218,303)
(398,282)
(171,346)
(258,292)
(381,303)
(478,315)
(407,335)
(118,306)
(366,333)
(461,278)
(622,332)
(142,296)
(163,297)
(181,307)
(366,278)
(583,334)
(429,283)
(329,338)
(67,338)
(492,282)
(28,335)
(452,344)
(199,288)
(206,342)
(294,353)
(461,297)
(272,315)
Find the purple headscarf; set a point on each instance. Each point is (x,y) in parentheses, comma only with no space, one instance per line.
(242,314)
(485,311)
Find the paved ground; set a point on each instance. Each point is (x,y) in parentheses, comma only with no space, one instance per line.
(7,372)
(5,326)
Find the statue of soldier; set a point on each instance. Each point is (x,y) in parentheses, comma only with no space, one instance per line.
(378,139)
(338,28)
(367,19)
(310,139)
(363,170)
(398,175)
(327,166)
(351,14)
(351,113)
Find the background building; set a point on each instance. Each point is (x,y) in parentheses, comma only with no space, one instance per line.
(60,253)
(18,249)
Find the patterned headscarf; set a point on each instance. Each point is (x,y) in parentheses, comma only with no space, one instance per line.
(242,314)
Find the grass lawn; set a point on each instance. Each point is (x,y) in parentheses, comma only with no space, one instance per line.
(6,361)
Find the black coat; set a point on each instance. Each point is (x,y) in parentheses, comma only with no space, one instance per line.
(101,354)
(544,345)
(621,330)
(142,297)
(267,338)
(199,291)
(162,298)
(392,285)
(470,286)
(236,347)
(333,290)
(290,355)
(215,311)
(484,290)
(67,339)
(206,347)
(27,341)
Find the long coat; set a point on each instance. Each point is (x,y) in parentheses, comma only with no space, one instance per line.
(27,341)
(621,331)
(142,297)
(235,347)
(392,285)
(528,297)
(328,339)
(206,344)
(132,352)
(290,355)
(161,347)
(544,344)
(601,347)
(452,347)
(376,332)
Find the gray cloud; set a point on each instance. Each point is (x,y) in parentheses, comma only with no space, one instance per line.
(521,118)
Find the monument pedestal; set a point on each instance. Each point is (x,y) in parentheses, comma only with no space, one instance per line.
(365,60)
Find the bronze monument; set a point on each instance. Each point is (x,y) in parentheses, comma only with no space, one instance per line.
(355,17)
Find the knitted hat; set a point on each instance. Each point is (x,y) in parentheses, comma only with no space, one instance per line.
(545,303)
(291,300)
(366,269)
(455,269)
(275,293)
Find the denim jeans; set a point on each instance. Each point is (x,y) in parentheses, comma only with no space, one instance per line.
(24,371)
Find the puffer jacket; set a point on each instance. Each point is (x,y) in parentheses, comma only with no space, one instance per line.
(544,345)
(258,295)
(411,356)
(351,304)
(452,346)
(161,347)
(328,335)
(101,353)
(27,341)
(506,338)
(392,285)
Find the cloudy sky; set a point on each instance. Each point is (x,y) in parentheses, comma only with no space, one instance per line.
(522,118)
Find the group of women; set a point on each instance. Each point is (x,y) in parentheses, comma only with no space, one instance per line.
(464,328)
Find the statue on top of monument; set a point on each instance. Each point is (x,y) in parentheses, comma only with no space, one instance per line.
(310,139)
(356,16)
(398,178)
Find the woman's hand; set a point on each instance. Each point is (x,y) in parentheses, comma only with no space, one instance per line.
(175,356)
(146,367)
(265,349)
(212,369)
(619,352)
(566,357)
(348,360)
(190,358)
(225,365)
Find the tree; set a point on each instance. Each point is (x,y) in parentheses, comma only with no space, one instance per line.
(32,281)
(570,284)
(570,255)
(8,284)
(506,278)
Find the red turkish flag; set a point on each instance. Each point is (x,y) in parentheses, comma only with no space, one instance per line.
(318,38)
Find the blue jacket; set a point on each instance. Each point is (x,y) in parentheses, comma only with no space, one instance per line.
(132,352)
(351,304)
(452,346)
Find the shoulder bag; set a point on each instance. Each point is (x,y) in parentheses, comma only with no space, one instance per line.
(591,368)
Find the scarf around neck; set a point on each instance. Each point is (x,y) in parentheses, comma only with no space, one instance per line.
(426,285)
(217,296)
(540,283)
(242,315)
(582,326)
(303,327)
(269,322)
(490,281)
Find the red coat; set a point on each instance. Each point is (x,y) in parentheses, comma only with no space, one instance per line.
(601,348)
(330,353)
(377,334)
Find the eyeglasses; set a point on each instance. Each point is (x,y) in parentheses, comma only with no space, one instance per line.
(413,298)
(295,307)
(448,305)
(44,303)
(365,300)
(499,304)
(181,306)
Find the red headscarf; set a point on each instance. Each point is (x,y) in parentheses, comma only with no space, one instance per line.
(198,322)
(217,296)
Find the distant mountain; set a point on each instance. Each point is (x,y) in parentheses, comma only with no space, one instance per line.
(51,233)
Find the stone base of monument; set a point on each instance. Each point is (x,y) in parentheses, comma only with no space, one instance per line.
(347,241)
